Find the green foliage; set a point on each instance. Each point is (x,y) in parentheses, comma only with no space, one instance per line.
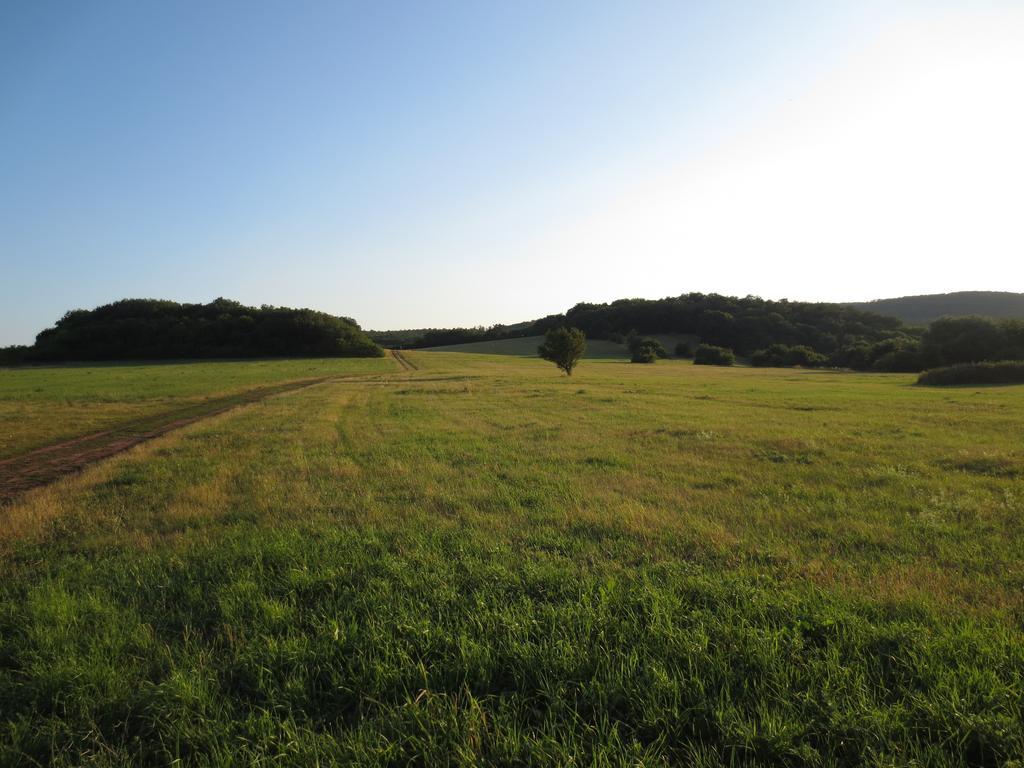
(14,355)
(955,340)
(708,354)
(145,329)
(1005,372)
(897,354)
(847,336)
(684,349)
(564,347)
(645,350)
(745,324)
(781,356)
(643,354)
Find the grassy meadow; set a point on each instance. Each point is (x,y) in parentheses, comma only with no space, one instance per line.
(485,562)
(44,404)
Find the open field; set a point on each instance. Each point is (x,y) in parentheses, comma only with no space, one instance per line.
(42,405)
(483,561)
(526,346)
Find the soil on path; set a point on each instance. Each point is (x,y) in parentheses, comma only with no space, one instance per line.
(44,465)
(403,361)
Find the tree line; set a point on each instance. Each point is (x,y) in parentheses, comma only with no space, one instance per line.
(150,329)
(773,333)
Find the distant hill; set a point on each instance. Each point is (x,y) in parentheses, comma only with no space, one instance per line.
(151,329)
(921,310)
(414,337)
(744,324)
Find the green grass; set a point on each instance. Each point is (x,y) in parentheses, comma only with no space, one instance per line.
(486,562)
(40,405)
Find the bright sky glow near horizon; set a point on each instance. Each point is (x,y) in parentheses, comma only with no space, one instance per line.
(451,164)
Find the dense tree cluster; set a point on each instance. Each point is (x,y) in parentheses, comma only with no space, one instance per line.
(1005,372)
(684,350)
(947,341)
(419,338)
(780,355)
(644,350)
(709,354)
(137,329)
(743,324)
(772,333)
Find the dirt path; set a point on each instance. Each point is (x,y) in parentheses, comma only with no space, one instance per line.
(44,465)
(405,362)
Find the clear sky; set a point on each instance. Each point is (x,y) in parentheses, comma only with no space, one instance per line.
(434,164)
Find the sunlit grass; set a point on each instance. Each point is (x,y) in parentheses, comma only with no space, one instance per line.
(486,561)
(39,405)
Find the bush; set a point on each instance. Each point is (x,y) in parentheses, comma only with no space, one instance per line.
(1005,372)
(898,354)
(780,356)
(902,360)
(644,353)
(646,350)
(707,354)
(684,350)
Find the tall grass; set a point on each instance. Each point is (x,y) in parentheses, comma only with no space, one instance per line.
(42,404)
(481,562)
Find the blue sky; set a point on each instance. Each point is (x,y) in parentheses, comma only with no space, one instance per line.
(438,164)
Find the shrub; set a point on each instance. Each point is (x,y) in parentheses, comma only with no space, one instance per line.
(645,353)
(684,350)
(779,356)
(805,357)
(564,347)
(1005,372)
(707,354)
(646,350)
(900,360)
(899,354)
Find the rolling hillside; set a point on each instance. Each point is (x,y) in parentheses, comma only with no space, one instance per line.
(921,310)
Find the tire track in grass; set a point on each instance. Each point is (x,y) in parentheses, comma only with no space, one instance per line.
(43,466)
(403,361)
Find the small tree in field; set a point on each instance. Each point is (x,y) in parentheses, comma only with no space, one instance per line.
(647,351)
(564,347)
(707,354)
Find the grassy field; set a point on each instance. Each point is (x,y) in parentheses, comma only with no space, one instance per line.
(485,562)
(597,349)
(41,405)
